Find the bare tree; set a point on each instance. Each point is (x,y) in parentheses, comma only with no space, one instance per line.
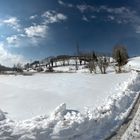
(77,56)
(76,62)
(68,61)
(18,67)
(100,64)
(92,66)
(120,54)
(27,66)
(103,64)
(92,59)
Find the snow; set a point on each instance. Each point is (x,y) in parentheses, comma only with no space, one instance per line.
(65,69)
(68,106)
(134,63)
(66,121)
(27,96)
(133,132)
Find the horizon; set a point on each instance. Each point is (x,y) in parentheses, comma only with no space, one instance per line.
(33,30)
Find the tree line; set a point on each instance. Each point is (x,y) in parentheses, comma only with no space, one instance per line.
(91,60)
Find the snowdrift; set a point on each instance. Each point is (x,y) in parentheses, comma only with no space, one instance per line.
(133,63)
(64,124)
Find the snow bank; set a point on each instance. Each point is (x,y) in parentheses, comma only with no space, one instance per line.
(65,124)
(133,131)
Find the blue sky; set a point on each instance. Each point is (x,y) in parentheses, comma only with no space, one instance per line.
(35,29)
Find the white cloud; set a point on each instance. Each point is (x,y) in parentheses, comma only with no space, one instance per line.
(120,15)
(9,59)
(137,29)
(13,40)
(93,17)
(21,35)
(84,7)
(85,18)
(61,16)
(33,17)
(110,17)
(61,2)
(123,15)
(103,8)
(53,17)
(118,10)
(12,22)
(36,31)
(65,4)
(29,35)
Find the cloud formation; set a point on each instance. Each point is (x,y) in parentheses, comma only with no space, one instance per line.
(120,15)
(36,31)
(13,40)
(65,4)
(85,18)
(9,59)
(33,17)
(53,17)
(11,22)
(84,7)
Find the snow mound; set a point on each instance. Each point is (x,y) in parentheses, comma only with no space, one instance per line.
(65,124)
(134,63)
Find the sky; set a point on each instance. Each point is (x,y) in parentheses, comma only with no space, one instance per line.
(36,29)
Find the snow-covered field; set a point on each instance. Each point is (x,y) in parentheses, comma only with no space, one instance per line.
(24,97)
(65,106)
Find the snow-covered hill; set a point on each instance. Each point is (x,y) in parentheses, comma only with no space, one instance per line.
(134,63)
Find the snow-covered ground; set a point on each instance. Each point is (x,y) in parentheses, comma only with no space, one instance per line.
(65,106)
(133,132)
(24,97)
(93,123)
(134,63)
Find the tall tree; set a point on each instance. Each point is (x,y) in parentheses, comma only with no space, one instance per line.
(120,54)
